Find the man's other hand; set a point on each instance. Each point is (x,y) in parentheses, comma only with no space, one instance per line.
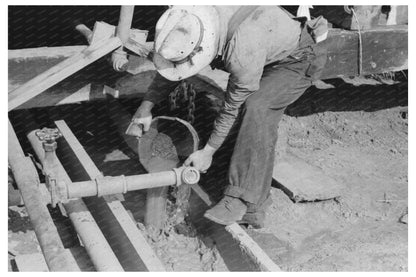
(143,115)
(201,159)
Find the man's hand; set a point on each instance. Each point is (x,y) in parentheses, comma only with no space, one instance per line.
(201,159)
(142,119)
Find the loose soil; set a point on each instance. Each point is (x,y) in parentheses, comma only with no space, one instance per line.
(362,229)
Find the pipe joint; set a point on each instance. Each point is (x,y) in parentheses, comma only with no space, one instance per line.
(190,176)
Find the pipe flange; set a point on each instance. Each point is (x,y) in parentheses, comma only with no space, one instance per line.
(190,175)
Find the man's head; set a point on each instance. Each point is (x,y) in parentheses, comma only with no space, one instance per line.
(186,41)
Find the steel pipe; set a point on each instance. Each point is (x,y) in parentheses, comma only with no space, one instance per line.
(121,184)
(26,177)
(119,57)
(90,234)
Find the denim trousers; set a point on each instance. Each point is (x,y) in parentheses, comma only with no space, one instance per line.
(282,83)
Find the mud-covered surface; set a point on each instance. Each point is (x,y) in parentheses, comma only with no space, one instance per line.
(178,245)
(164,148)
(181,248)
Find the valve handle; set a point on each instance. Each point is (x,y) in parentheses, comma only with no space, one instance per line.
(48,134)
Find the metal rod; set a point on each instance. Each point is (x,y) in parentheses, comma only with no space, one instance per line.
(25,174)
(119,57)
(90,234)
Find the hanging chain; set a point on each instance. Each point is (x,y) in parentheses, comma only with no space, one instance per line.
(173,96)
(184,93)
(191,104)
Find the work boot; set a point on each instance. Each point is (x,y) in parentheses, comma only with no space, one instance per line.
(255,220)
(227,211)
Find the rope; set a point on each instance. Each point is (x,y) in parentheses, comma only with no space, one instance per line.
(360,43)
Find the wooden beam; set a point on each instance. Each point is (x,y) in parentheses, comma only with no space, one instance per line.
(384,50)
(60,71)
(45,52)
(141,49)
(102,32)
(254,251)
(31,263)
(136,238)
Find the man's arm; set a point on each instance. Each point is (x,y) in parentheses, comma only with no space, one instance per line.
(245,62)
(159,89)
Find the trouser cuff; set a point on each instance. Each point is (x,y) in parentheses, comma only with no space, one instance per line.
(244,194)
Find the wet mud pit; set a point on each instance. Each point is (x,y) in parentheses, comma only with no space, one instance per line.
(361,142)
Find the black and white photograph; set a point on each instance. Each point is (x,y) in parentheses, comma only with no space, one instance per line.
(151,137)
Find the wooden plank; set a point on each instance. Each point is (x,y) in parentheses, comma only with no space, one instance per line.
(31,263)
(102,32)
(304,182)
(254,251)
(139,48)
(45,52)
(384,49)
(136,238)
(60,71)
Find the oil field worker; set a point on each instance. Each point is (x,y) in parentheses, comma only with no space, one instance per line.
(272,59)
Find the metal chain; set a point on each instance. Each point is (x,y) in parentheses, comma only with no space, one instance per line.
(191,104)
(173,98)
(184,93)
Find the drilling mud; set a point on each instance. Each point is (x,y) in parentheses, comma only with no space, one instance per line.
(164,148)
(177,244)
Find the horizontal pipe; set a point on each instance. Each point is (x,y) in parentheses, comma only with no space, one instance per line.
(90,234)
(121,184)
(26,177)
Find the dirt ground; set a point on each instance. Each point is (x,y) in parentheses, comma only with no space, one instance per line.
(362,230)
(365,229)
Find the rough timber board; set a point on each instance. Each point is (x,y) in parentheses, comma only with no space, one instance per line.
(384,49)
(59,72)
(31,263)
(245,242)
(45,52)
(303,182)
(128,226)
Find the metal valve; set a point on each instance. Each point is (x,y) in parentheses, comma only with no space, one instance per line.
(48,136)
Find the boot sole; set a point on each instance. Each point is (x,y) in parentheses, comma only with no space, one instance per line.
(248,223)
(217,220)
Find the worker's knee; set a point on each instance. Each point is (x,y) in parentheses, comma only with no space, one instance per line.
(255,105)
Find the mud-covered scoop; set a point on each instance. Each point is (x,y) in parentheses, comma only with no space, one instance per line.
(167,144)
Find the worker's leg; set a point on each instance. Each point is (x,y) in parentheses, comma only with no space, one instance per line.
(251,168)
